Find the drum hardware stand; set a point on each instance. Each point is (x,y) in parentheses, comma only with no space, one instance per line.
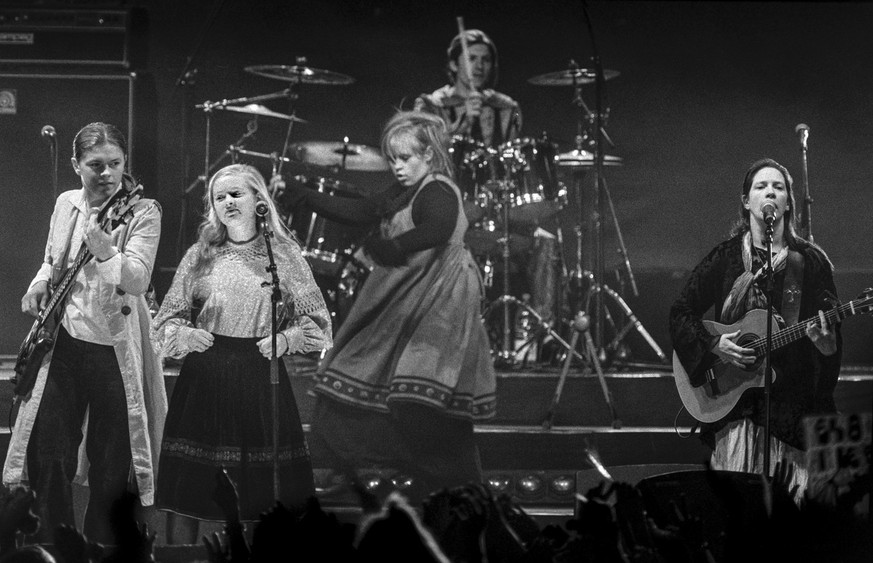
(507,353)
(581,324)
(236,147)
(187,79)
(596,288)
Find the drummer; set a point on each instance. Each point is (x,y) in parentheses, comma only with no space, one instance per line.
(472,108)
(476,112)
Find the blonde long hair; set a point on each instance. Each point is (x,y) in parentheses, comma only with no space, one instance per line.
(212,233)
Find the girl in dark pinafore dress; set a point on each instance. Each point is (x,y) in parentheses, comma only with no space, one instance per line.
(411,367)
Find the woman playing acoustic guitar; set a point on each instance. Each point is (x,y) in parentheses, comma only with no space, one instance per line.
(729,279)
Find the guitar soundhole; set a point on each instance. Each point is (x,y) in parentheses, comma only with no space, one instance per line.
(746,339)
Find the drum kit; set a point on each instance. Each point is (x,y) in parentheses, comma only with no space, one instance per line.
(508,191)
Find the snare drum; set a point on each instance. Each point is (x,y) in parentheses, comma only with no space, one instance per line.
(536,192)
(325,242)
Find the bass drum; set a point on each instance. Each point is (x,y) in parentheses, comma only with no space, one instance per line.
(536,193)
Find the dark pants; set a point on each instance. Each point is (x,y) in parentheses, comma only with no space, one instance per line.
(81,375)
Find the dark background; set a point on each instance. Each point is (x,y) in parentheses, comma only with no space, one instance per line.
(705,88)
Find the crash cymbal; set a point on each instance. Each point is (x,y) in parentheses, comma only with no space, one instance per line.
(258,109)
(583,158)
(570,77)
(301,74)
(346,156)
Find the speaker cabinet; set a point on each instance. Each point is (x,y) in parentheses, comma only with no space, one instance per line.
(28,102)
(730,506)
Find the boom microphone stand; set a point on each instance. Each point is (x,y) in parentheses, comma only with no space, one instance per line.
(802,129)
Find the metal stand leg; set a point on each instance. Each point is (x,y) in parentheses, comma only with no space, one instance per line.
(581,324)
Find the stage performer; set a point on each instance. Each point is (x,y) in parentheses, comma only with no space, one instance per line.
(730,279)
(218,316)
(97,408)
(477,116)
(411,370)
(469,104)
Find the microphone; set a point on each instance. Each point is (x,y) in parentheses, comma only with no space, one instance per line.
(802,129)
(769,211)
(48,133)
(261,209)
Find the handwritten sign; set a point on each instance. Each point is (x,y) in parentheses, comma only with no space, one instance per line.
(838,458)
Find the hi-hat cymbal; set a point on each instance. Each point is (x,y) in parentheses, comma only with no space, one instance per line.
(571,77)
(301,74)
(341,155)
(258,109)
(583,158)
(482,241)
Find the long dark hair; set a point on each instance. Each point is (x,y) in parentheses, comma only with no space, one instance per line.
(742,224)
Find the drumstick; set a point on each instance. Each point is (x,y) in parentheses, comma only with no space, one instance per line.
(465,52)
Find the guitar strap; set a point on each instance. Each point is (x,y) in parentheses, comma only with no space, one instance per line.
(59,267)
(792,288)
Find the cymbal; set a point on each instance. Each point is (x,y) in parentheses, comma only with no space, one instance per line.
(340,155)
(258,109)
(482,241)
(301,74)
(583,158)
(570,77)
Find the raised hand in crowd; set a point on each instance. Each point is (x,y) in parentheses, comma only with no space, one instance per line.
(226,497)
(501,541)
(16,515)
(634,527)
(28,554)
(134,542)
(73,547)
(456,525)
(271,538)
(598,533)
(524,526)
(396,533)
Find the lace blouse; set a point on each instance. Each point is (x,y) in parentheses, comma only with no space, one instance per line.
(232,299)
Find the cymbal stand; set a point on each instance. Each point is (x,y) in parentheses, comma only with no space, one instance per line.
(232,150)
(596,288)
(580,326)
(291,94)
(506,355)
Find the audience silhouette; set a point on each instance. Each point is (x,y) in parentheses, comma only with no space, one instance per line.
(470,524)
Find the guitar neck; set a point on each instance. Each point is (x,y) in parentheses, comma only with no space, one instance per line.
(63,288)
(797,331)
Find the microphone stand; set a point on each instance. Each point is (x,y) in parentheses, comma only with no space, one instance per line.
(768,374)
(276,298)
(806,213)
(188,79)
(54,155)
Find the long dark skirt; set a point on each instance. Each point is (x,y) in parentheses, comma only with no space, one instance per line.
(220,415)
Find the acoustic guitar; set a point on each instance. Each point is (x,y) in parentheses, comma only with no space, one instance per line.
(724,382)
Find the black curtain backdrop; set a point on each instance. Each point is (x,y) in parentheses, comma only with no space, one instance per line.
(705,88)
